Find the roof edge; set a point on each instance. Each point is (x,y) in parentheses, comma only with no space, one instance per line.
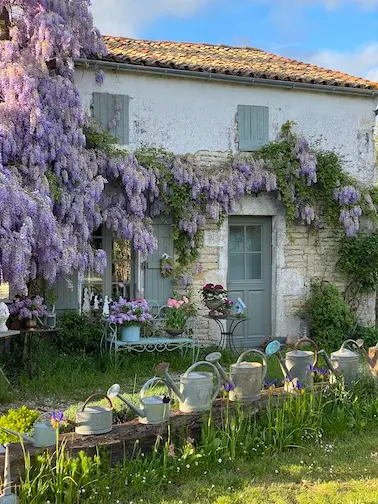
(236,79)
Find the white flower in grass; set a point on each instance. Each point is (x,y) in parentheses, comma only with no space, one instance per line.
(220,460)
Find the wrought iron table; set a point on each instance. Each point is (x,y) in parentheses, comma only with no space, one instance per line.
(227,336)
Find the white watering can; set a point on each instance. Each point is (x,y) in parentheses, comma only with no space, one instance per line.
(299,362)
(196,388)
(246,377)
(44,435)
(345,362)
(153,409)
(94,419)
(7,497)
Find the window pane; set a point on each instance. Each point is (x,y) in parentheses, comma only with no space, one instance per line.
(122,250)
(253,264)
(236,239)
(253,239)
(121,271)
(236,267)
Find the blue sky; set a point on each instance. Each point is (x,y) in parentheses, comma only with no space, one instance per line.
(337,34)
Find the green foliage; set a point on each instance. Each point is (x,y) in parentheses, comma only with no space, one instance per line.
(56,187)
(56,477)
(368,334)
(20,420)
(78,333)
(99,139)
(177,199)
(330,318)
(358,260)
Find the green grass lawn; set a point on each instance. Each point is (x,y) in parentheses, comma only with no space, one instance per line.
(342,472)
(68,379)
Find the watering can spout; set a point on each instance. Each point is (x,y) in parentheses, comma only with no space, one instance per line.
(328,361)
(360,345)
(27,439)
(162,368)
(114,391)
(214,358)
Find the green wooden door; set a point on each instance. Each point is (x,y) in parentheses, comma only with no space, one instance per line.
(250,276)
(157,287)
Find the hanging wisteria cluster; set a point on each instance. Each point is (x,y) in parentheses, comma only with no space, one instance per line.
(50,186)
(56,188)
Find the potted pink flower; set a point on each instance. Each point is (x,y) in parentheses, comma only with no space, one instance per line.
(177,313)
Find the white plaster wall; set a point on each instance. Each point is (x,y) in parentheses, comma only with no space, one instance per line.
(185,115)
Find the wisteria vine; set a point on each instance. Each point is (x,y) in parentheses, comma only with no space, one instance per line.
(60,179)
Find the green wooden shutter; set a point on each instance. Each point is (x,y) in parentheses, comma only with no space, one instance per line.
(66,298)
(106,106)
(253,127)
(157,287)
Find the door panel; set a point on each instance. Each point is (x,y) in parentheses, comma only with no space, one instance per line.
(249,276)
(157,287)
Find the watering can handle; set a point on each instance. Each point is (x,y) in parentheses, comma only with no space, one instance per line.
(260,354)
(312,342)
(148,383)
(90,398)
(351,341)
(217,375)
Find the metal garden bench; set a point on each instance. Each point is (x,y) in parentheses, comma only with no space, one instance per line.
(156,342)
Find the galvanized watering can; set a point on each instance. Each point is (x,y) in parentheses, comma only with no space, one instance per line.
(44,435)
(153,409)
(345,362)
(300,362)
(246,377)
(196,388)
(94,419)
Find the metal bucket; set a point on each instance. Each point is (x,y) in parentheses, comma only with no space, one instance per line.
(94,419)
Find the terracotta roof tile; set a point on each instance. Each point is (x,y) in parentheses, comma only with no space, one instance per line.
(221,59)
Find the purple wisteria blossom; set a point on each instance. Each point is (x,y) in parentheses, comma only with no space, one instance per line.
(307,161)
(27,308)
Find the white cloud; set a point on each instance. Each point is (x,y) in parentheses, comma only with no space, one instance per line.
(363,61)
(127,17)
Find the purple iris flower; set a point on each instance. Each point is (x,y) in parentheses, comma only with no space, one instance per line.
(227,387)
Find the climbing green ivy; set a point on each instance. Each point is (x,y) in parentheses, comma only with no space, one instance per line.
(358,260)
